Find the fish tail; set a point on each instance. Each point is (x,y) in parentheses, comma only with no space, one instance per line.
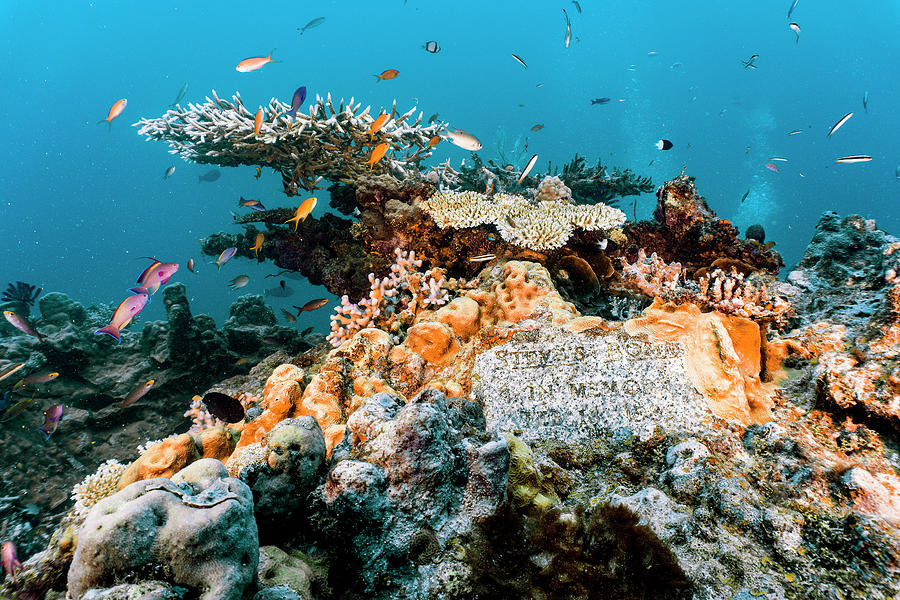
(112,331)
(44,432)
(140,290)
(378,77)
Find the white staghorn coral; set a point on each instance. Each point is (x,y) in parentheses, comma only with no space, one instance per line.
(326,142)
(97,486)
(538,225)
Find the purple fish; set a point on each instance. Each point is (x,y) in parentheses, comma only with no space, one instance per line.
(21,324)
(51,420)
(9,560)
(126,311)
(297,100)
(226,255)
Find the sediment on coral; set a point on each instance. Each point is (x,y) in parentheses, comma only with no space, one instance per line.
(325,142)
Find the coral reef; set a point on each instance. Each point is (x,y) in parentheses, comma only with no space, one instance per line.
(201,508)
(325,142)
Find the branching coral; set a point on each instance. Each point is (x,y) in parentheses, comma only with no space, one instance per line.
(97,486)
(651,275)
(537,225)
(732,293)
(405,289)
(329,142)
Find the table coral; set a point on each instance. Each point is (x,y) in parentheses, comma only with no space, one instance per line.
(325,142)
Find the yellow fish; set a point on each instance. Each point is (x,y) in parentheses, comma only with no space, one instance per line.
(377,154)
(257,121)
(378,124)
(258,245)
(303,211)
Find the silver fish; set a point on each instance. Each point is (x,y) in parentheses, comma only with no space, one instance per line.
(568,29)
(520,61)
(463,139)
(866,100)
(796,30)
(239,282)
(793,6)
(483,258)
(169,172)
(180,95)
(840,123)
(854,158)
(314,23)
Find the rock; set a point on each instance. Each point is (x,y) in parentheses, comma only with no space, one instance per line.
(279,570)
(148,527)
(169,456)
(146,590)
(686,474)
(60,310)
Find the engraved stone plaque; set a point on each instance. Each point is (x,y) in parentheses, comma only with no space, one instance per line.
(552,383)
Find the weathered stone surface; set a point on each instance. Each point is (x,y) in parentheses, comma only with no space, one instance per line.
(552,383)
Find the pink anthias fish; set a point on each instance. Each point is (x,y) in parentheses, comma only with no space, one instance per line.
(9,560)
(21,324)
(255,63)
(126,311)
(154,276)
(52,417)
(772,167)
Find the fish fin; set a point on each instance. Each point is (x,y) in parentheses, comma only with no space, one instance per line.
(141,290)
(44,433)
(112,332)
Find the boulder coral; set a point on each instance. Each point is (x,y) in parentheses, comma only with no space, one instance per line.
(195,530)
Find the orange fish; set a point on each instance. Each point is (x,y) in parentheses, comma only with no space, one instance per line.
(258,173)
(303,211)
(114,112)
(378,124)
(257,121)
(377,154)
(389,74)
(191,265)
(253,64)
(258,245)
(433,141)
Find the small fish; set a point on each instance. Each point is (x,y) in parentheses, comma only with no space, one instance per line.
(239,282)
(434,118)
(772,167)
(527,170)
(599,101)
(211,175)
(510,222)
(489,187)
(839,124)
(896,176)
(854,158)
(568,38)
(434,141)
(303,211)
(21,324)
(296,102)
(306,331)
(180,95)
(251,204)
(137,393)
(125,312)
(378,123)
(795,132)
(257,121)
(432,47)
(650,164)
(191,265)
(114,111)
(258,244)
(664,145)
(793,6)
(464,140)
(10,370)
(676,65)
(52,417)
(483,258)
(37,378)
(866,100)
(9,560)
(796,29)
(17,408)
(537,127)
(311,305)
(254,64)
(241,361)
(779,159)
(289,316)
(377,154)
(314,23)
(270,341)
(744,197)
(225,256)
(388,74)
(577,6)
(154,276)
(224,407)
(520,61)
(169,172)
(750,63)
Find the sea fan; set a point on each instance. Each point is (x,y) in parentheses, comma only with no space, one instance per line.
(21,292)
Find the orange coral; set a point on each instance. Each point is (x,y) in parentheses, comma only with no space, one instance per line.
(169,456)
(433,341)
(280,399)
(722,357)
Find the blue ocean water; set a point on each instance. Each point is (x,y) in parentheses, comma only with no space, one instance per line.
(82,202)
